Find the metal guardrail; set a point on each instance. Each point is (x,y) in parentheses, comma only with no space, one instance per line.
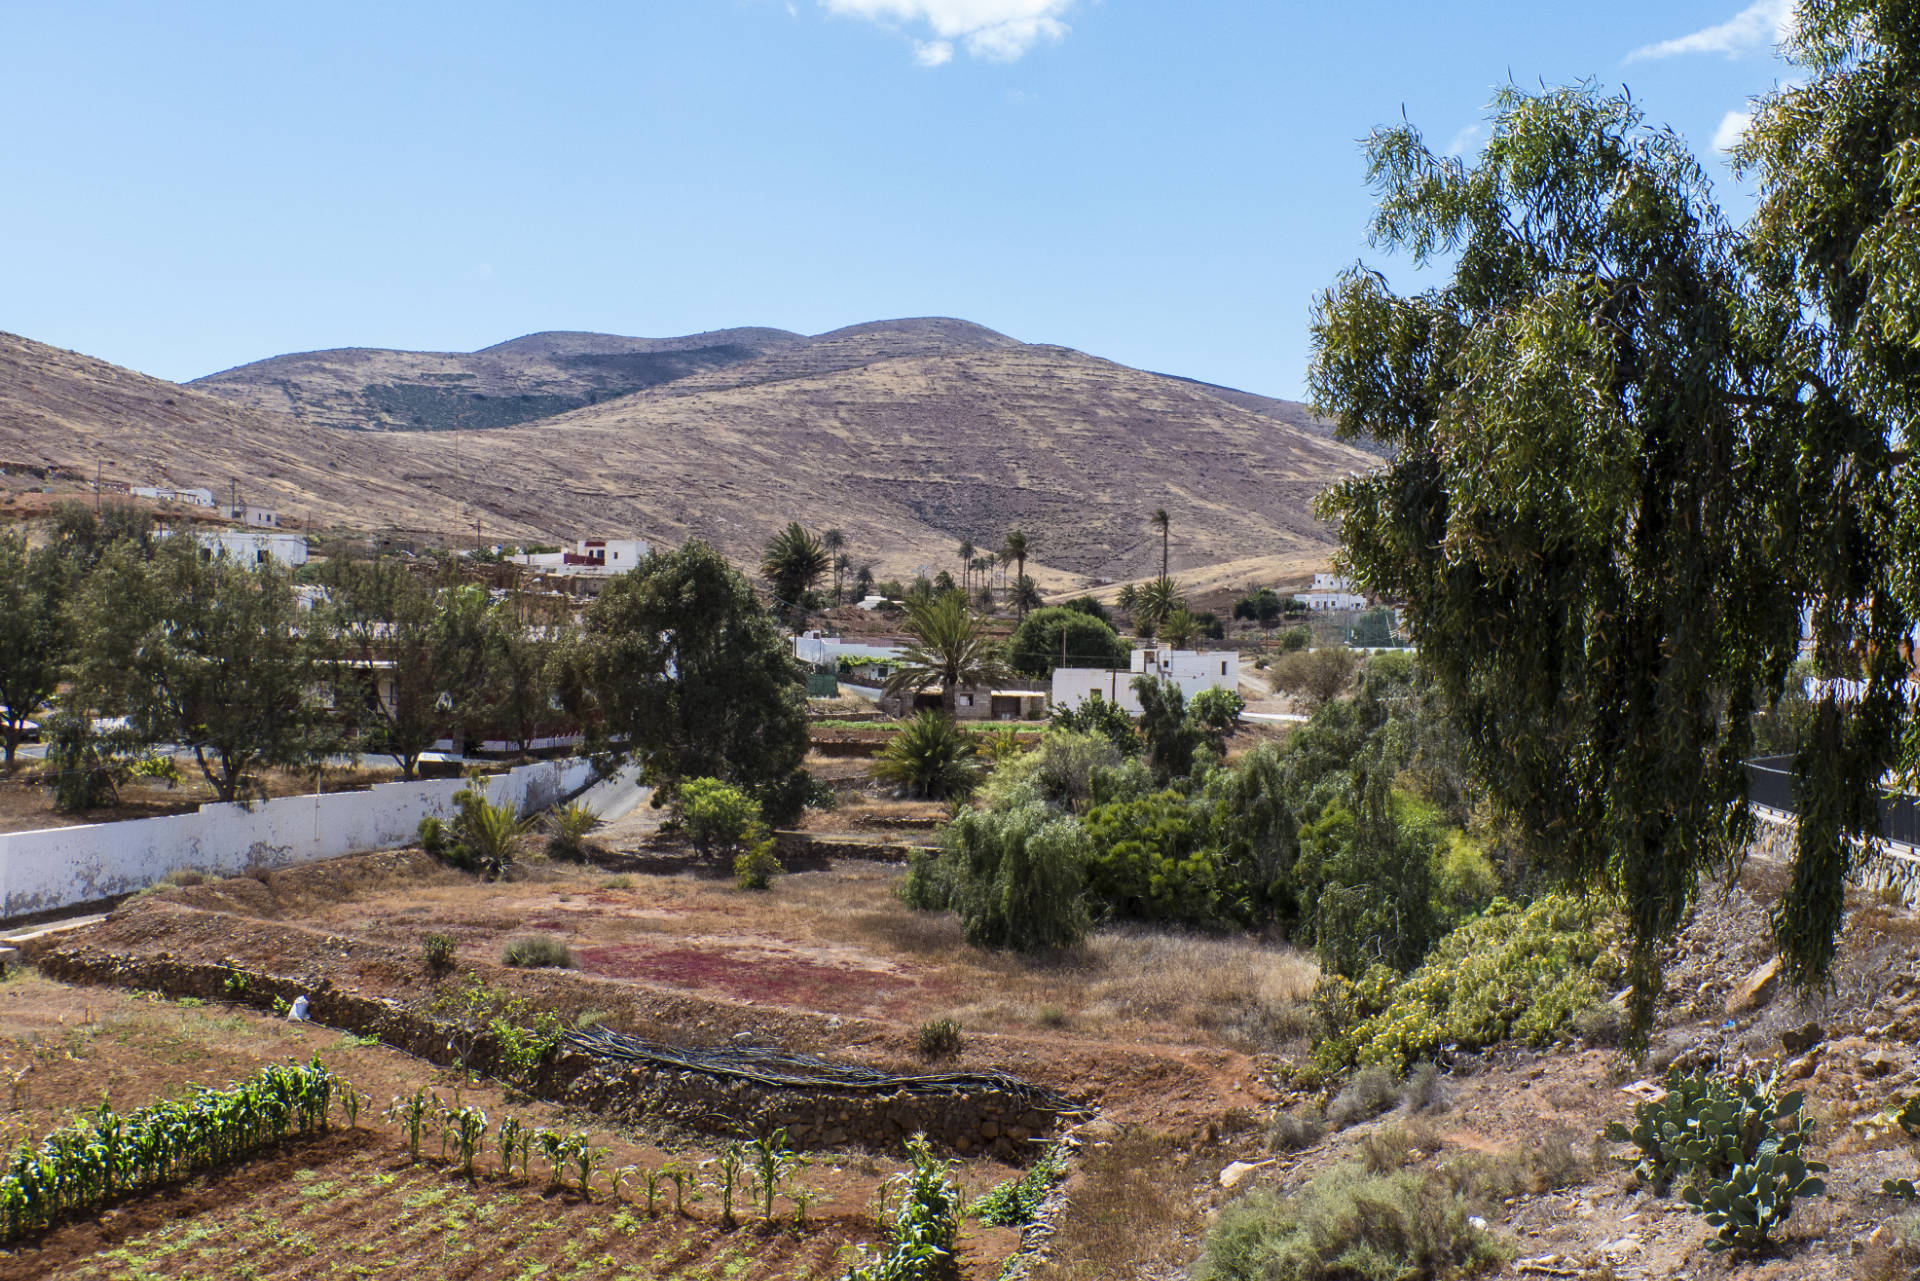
(1771,783)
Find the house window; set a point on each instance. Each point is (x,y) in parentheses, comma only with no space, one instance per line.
(1223,667)
(966,700)
(260,557)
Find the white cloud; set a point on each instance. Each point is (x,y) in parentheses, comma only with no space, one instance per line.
(1760,25)
(1465,143)
(998,30)
(1733,126)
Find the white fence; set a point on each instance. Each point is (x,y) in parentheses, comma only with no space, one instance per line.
(61,866)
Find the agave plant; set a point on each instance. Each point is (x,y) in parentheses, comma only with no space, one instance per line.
(567,830)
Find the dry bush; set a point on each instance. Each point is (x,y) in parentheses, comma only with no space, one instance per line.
(1371,1092)
(1393,1147)
(1425,1090)
(1245,991)
(1292,1131)
(1552,1160)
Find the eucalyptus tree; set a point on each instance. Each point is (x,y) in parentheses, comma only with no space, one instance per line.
(1588,509)
(1833,244)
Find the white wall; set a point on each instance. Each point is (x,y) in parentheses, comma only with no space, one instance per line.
(61,866)
(1190,671)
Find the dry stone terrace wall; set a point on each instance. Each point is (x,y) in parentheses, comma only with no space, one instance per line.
(987,1122)
(60,867)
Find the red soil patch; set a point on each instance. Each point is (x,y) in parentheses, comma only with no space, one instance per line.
(758,978)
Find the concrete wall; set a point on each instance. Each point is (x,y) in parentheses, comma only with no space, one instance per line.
(61,866)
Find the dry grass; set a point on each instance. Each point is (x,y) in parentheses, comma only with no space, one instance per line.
(1129,1209)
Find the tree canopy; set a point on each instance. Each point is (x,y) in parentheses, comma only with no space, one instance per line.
(1589,505)
(1060,635)
(689,675)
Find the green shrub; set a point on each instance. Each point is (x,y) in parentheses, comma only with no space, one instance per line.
(755,867)
(940,1038)
(1096,715)
(540,952)
(432,834)
(1149,860)
(1044,635)
(1372,1091)
(717,817)
(1014,1203)
(1016,877)
(438,950)
(483,837)
(1349,1226)
(930,756)
(1511,973)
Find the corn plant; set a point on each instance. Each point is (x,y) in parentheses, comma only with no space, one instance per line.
(507,1136)
(686,1184)
(554,1150)
(804,1198)
(620,1174)
(772,1162)
(731,1164)
(585,1159)
(921,1231)
(469,1126)
(410,1113)
(655,1180)
(105,1154)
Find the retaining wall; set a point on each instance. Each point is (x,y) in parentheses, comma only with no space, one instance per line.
(63,866)
(991,1121)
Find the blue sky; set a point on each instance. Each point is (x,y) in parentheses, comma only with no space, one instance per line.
(190,187)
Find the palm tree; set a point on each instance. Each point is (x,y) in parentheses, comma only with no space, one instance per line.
(1179,627)
(793,562)
(1156,602)
(1015,550)
(966,563)
(863,581)
(1162,522)
(835,542)
(950,649)
(1129,597)
(841,565)
(1026,596)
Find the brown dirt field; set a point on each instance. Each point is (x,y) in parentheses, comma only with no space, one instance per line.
(1151,1025)
(64,1049)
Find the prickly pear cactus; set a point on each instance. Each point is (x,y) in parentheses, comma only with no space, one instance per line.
(1756,1197)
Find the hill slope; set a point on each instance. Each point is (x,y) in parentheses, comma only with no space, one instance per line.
(909,436)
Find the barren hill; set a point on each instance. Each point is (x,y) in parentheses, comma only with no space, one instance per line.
(908,435)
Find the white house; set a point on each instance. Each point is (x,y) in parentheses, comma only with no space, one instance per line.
(252,517)
(254,547)
(164,494)
(1331,591)
(590,557)
(1190,671)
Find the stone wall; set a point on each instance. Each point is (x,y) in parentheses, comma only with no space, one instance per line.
(995,1122)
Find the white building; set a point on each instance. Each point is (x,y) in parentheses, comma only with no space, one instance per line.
(163,494)
(822,650)
(590,557)
(254,547)
(1190,671)
(252,517)
(1331,591)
